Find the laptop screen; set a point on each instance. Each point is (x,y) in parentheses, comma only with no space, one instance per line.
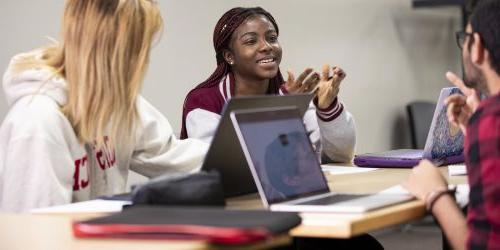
(281,154)
(444,140)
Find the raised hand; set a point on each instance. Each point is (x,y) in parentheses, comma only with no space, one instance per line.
(461,107)
(329,86)
(305,83)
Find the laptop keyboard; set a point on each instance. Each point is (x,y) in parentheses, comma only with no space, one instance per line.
(333,199)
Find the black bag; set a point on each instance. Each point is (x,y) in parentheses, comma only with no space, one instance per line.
(195,189)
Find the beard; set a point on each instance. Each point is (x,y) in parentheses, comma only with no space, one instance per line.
(473,77)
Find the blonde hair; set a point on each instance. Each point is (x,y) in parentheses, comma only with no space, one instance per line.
(103,56)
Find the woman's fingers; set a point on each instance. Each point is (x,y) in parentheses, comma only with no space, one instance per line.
(303,76)
(340,72)
(291,77)
(325,72)
(311,82)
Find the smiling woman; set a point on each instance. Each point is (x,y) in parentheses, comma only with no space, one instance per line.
(248,56)
(254,55)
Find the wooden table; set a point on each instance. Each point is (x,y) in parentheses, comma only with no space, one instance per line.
(332,225)
(49,232)
(24,231)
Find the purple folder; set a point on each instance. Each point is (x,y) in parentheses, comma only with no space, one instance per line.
(401,158)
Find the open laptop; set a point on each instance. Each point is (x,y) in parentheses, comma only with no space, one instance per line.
(286,170)
(225,153)
(444,144)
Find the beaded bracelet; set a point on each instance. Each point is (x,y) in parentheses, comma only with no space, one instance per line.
(434,196)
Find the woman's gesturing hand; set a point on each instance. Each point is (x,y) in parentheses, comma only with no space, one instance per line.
(329,85)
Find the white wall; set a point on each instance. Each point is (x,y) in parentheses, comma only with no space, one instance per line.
(392,53)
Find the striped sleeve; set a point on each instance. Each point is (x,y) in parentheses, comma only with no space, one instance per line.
(329,113)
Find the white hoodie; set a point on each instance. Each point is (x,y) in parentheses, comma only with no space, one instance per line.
(43,164)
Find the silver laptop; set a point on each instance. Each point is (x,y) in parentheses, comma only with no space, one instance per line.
(225,153)
(286,170)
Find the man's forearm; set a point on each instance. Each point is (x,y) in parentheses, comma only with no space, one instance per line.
(452,221)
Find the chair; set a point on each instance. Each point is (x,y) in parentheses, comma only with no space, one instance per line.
(420,115)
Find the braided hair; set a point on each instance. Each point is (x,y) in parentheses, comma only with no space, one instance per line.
(223,31)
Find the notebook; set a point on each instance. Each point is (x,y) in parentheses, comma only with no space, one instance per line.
(215,225)
(286,170)
(444,144)
(225,154)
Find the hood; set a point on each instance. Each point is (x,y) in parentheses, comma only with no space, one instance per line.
(33,81)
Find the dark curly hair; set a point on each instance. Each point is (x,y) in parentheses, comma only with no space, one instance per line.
(485,20)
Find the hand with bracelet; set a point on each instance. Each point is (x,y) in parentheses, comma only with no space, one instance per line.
(427,184)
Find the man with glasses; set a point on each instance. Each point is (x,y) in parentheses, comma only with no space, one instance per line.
(480,122)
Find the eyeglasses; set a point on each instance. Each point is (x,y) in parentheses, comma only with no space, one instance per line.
(460,36)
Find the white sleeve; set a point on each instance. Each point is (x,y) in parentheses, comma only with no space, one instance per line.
(158,151)
(312,130)
(335,139)
(338,137)
(37,173)
(201,124)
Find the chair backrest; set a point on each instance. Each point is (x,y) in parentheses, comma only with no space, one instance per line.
(420,115)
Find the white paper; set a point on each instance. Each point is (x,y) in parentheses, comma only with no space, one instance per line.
(457,169)
(92,206)
(461,196)
(338,170)
(397,189)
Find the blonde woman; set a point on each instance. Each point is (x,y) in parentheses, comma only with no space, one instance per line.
(77,123)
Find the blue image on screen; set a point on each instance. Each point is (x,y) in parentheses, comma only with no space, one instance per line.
(283,158)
